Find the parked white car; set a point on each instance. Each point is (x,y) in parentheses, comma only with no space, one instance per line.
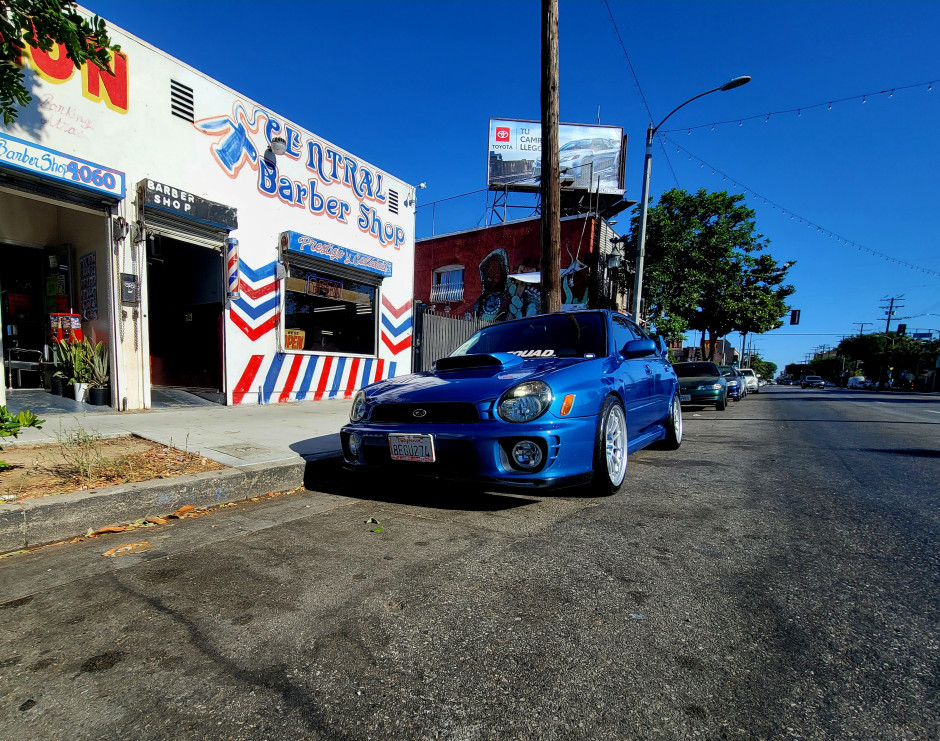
(751,379)
(858,382)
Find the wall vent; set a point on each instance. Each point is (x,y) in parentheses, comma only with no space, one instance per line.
(393,201)
(181,101)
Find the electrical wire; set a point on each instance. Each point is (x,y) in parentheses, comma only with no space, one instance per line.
(799,111)
(793,215)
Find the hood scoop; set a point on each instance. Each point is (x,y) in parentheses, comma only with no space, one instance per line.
(496,361)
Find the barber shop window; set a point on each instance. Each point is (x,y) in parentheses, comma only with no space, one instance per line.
(329,313)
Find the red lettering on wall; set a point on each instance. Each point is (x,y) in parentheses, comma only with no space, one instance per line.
(114,86)
(53,65)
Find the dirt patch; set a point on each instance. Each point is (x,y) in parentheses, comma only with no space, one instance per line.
(83,462)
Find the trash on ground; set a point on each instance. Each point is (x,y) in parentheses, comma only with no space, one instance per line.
(125,550)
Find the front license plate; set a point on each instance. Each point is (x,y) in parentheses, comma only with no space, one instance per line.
(685,397)
(416,448)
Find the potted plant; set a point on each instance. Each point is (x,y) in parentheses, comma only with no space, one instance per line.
(99,373)
(62,363)
(79,357)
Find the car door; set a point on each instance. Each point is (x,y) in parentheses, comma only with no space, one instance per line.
(635,378)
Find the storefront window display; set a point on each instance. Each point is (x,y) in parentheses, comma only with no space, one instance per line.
(327,313)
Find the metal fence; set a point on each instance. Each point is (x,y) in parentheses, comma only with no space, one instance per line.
(438,335)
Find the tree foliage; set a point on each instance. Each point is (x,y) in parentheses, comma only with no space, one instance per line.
(885,355)
(43,24)
(763,368)
(704,270)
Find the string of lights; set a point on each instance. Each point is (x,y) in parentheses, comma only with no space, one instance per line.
(864,97)
(735,182)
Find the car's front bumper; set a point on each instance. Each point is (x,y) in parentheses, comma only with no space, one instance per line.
(701,396)
(480,451)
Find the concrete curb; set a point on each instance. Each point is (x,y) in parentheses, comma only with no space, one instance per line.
(34,522)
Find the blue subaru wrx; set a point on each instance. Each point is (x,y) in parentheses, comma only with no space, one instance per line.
(545,401)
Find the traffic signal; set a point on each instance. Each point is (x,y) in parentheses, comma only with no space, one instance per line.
(902,330)
(795,316)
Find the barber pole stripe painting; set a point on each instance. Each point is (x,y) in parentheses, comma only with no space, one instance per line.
(255,311)
(396,326)
(281,378)
(231,256)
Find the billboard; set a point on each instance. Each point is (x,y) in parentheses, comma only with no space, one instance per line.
(589,158)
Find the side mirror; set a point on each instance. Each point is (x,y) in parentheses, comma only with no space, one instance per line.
(638,348)
(661,346)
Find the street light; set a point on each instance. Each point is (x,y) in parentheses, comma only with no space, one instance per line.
(644,197)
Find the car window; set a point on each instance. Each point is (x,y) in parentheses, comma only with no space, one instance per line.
(571,335)
(691,370)
(624,332)
(727,371)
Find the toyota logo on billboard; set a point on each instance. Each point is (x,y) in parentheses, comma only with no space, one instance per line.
(502,134)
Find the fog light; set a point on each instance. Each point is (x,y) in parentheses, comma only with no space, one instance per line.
(527,454)
(354,443)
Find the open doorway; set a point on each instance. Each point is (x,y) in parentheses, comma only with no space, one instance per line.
(185,316)
(34,283)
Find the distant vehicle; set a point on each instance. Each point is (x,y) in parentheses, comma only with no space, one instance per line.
(858,382)
(737,388)
(702,383)
(751,378)
(812,382)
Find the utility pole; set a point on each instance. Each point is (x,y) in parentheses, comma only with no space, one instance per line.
(551,181)
(893,303)
(861,327)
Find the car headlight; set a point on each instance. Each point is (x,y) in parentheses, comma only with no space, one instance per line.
(358,410)
(733,384)
(525,401)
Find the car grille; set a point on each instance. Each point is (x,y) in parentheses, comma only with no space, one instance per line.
(440,413)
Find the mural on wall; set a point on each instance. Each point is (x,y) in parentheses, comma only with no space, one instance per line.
(322,167)
(513,294)
(503,298)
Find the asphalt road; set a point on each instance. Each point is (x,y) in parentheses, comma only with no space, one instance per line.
(777,577)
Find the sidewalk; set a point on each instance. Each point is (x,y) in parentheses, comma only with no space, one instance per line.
(266,447)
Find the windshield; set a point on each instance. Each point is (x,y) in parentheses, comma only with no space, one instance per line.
(691,370)
(727,371)
(558,335)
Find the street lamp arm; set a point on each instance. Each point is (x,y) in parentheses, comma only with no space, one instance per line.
(730,85)
(654,129)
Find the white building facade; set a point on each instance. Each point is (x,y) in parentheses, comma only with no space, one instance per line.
(212,245)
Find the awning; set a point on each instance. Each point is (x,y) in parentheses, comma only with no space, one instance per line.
(537,277)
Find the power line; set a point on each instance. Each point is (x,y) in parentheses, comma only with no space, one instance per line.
(636,81)
(735,182)
(799,111)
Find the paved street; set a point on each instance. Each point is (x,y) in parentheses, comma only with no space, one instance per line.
(776,577)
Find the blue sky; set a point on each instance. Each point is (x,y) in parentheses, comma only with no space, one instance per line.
(411,86)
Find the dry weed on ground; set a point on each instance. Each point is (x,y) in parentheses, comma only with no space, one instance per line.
(81,460)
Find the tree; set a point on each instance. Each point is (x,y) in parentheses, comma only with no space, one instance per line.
(763,368)
(43,24)
(703,270)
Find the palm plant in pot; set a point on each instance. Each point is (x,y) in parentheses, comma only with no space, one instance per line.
(99,373)
(62,361)
(79,359)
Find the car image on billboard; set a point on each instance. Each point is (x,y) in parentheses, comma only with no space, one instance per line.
(589,156)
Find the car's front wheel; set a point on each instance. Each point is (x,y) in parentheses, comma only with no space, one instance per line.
(610,448)
(673,425)
(721,404)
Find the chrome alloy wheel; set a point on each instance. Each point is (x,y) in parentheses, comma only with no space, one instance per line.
(616,444)
(676,420)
